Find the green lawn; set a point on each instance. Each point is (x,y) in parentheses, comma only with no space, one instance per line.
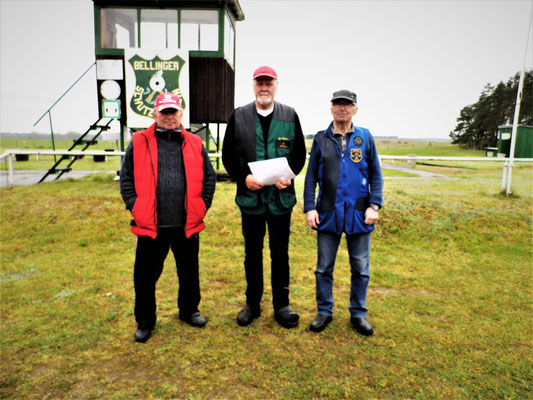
(404,147)
(449,298)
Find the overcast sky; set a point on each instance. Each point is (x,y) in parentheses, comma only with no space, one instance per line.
(413,64)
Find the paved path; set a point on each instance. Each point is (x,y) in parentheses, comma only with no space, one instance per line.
(421,174)
(31,177)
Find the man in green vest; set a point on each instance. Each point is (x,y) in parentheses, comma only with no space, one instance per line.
(263,130)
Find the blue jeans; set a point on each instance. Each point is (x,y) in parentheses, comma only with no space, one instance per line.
(359,253)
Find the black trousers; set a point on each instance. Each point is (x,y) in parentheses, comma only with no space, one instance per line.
(149,260)
(253,230)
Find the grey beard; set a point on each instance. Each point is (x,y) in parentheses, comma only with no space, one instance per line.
(264,102)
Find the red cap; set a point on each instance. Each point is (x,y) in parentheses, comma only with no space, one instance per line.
(167,100)
(265,71)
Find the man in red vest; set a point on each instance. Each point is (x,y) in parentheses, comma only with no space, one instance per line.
(167,182)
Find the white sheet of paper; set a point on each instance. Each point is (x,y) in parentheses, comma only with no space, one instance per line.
(268,171)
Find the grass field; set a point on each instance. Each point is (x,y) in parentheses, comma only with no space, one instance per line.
(449,298)
(404,147)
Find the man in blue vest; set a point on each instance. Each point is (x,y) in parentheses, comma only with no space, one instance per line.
(344,163)
(263,130)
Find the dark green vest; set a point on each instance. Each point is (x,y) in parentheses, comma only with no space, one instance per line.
(280,143)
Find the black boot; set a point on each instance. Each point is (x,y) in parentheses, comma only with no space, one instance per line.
(248,314)
(286,317)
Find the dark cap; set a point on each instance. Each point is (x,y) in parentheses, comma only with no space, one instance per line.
(345,95)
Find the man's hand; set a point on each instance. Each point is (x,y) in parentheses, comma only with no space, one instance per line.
(252,183)
(312,218)
(371,216)
(282,184)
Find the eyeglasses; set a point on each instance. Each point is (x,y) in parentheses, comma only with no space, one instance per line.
(167,111)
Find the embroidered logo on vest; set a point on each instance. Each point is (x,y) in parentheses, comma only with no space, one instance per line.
(358,141)
(356,155)
(283,143)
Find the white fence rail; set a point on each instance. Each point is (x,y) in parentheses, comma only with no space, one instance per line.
(507,163)
(10,154)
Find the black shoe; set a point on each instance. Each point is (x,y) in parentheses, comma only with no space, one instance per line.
(362,325)
(142,335)
(286,317)
(195,319)
(248,314)
(320,322)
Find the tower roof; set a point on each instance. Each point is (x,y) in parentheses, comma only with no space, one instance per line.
(233,5)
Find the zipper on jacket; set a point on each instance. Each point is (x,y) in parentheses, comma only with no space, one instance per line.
(155,181)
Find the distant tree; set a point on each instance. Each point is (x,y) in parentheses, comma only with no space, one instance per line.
(477,125)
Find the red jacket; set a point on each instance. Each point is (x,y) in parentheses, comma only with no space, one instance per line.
(145,174)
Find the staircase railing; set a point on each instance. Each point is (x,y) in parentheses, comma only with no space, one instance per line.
(49,111)
(98,127)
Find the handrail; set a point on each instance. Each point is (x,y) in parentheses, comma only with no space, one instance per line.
(422,158)
(13,152)
(10,153)
(57,101)
(488,159)
(63,95)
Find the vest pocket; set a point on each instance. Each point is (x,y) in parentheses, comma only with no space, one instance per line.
(248,200)
(283,148)
(328,222)
(287,199)
(143,213)
(355,222)
(196,211)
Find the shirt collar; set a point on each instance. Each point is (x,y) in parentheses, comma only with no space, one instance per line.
(265,113)
(350,131)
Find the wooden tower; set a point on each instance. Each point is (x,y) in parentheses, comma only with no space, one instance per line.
(144,48)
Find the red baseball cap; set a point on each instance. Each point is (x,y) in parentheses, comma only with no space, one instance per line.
(265,71)
(167,100)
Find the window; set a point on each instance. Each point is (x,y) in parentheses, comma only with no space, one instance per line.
(119,28)
(229,41)
(199,29)
(159,29)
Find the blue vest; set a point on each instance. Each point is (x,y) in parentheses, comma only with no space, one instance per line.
(344,193)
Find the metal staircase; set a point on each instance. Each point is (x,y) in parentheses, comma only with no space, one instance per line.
(95,129)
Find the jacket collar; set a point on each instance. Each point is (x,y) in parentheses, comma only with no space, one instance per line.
(170,135)
(150,131)
(329,131)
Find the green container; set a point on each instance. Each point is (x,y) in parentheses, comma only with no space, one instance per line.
(524,141)
(491,152)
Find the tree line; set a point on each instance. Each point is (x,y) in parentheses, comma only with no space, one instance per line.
(477,125)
